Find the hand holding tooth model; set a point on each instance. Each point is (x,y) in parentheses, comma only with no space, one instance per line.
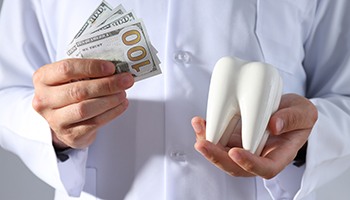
(250,91)
(251,128)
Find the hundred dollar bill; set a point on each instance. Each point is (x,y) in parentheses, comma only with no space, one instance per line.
(102,12)
(117,21)
(127,45)
(116,13)
(121,20)
(103,9)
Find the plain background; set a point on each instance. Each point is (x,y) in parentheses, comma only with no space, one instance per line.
(18,183)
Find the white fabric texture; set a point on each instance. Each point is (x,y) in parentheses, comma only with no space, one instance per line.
(148,153)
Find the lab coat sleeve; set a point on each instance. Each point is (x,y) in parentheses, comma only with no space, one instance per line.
(327,65)
(24,48)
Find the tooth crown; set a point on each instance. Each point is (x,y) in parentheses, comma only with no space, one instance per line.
(246,91)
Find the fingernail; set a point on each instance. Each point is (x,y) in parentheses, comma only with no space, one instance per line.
(235,155)
(197,127)
(108,68)
(279,125)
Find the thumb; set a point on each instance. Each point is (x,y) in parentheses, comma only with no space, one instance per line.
(298,115)
(198,125)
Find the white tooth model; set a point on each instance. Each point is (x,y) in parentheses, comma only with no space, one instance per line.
(246,91)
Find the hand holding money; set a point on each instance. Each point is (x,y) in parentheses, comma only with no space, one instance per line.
(118,36)
(76,109)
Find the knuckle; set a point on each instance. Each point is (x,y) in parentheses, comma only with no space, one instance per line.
(77,93)
(111,85)
(91,66)
(37,76)
(105,86)
(64,68)
(38,103)
(80,111)
(293,120)
(314,113)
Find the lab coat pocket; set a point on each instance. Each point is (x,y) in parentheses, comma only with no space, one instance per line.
(282,28)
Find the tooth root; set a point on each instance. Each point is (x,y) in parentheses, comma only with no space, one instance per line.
(257,90)
(222,104)
(252,90)
(229,130)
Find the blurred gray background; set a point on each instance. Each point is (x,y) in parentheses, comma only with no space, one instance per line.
(18,183)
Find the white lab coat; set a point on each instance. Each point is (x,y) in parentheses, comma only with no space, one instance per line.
(148,153)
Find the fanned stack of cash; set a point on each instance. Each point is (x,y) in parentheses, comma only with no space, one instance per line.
(119,36)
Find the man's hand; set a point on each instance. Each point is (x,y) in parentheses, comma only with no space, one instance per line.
(76,109)
(290,128)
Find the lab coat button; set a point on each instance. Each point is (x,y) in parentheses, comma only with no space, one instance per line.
(182,57)
(178,156)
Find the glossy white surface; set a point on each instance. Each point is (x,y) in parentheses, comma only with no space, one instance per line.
(246,91)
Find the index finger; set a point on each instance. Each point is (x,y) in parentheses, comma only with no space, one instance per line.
(215,154)
(266,166)
(73,69)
